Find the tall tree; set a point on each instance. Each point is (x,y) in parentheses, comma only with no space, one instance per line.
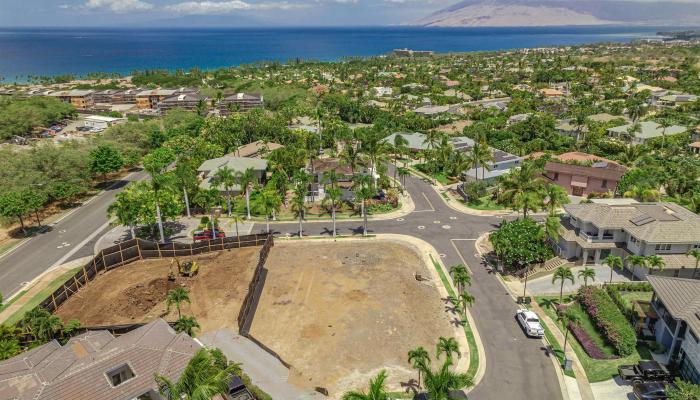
(225,178)
(299,200)
(155,164)
(695,253)
(267,202)
(417,358)
(441,382)
(636,261)
(562,274)
(202,379)
(613,262)
(448,346)
(363,191)
(565,318)
(177,296)
(208,199)
(586,273)
(246,181)
(556,197)
(655,262)
(376,391)
(186,324)
(105,159)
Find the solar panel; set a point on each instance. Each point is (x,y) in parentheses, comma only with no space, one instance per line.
(642,220)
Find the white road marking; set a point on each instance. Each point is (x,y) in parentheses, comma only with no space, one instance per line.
(81,244)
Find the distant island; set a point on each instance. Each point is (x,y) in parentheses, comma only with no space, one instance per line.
(519,13)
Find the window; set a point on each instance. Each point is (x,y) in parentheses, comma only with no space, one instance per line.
(604,185)
(663,247)
(633,240)
(696,246)
(119,375)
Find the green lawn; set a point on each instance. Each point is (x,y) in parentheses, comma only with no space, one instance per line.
(629,297)
(596,370)
(485,203)
(39,297)
(471,341)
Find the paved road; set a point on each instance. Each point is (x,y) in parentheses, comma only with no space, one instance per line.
(78,230)
(516,367)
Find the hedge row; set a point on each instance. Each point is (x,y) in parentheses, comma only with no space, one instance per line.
(608,318)
(614,292)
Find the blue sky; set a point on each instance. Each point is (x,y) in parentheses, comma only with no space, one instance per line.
(47,13)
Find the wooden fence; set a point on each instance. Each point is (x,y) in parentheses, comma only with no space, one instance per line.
(139,249)
(250,303)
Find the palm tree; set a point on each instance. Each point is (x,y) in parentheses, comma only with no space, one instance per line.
(350,157)
(565,318)
(333,195)
(551,229)
(246,180)
(642,193)
(586,273)
(202,379)
(236,220)
(155,164)
(556,197)
(187,178)
(655,262)
(403,173)
(186,324)
(441,382)
(362,189)
(399,148)
(460,275)
(614,262)
(521,188)
(177,296)
(418,357)
(562,274)
(695,253)
(466,299)
(447,346)
(226,178)
(208,199)
(299,204)
(377,390)
(636,261)
(267,202)
(42,324)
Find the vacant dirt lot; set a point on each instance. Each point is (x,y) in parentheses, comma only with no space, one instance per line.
(340,312)
(136,292)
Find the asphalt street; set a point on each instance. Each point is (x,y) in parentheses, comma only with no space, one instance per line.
(516,367)
(70,238)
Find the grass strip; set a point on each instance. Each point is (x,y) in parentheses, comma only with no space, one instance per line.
(471,341)
(39,297)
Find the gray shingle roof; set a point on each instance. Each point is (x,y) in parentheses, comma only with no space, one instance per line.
(650,222)
(681,298)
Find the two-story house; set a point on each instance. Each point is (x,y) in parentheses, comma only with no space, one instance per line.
(676,303)
(592,231)
(581,174)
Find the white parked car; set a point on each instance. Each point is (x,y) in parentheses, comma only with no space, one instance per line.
(530,323)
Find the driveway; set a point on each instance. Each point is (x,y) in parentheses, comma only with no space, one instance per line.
(544,285)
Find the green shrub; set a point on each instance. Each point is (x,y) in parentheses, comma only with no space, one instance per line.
(609,319)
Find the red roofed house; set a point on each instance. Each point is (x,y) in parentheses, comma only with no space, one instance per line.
(582,174)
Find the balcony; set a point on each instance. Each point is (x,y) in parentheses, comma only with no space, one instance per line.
(592,237)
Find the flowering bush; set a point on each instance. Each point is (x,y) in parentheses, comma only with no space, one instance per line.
(608,318)
(587,343)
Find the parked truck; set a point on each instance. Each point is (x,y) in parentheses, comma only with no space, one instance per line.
(644,371)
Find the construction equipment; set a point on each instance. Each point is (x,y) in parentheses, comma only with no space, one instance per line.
(187,268)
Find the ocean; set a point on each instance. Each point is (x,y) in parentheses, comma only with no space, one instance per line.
(49,52)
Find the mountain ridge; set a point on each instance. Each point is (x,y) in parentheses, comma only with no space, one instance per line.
(513,13)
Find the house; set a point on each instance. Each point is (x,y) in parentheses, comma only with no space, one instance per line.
(604,118)
(431,111)
(241,102)
(647,130)
(97,365)
(105,96)
(676,100)
(257,149)
(676,308)
(592,231)
(237,164)
(80,99)
(500,104)
(416,141)
(565,127)
(381,91)
(695,148)
(551,93)
(126,96)
(101,122)
(185,101)
(581,174)
(514,119)
(319,181)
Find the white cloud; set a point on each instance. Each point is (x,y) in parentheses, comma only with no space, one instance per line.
(117,6)
(223,7)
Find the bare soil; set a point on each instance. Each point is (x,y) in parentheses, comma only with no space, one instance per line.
(340,312)
(136,292)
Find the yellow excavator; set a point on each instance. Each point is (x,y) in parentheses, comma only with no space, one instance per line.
(187,269)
